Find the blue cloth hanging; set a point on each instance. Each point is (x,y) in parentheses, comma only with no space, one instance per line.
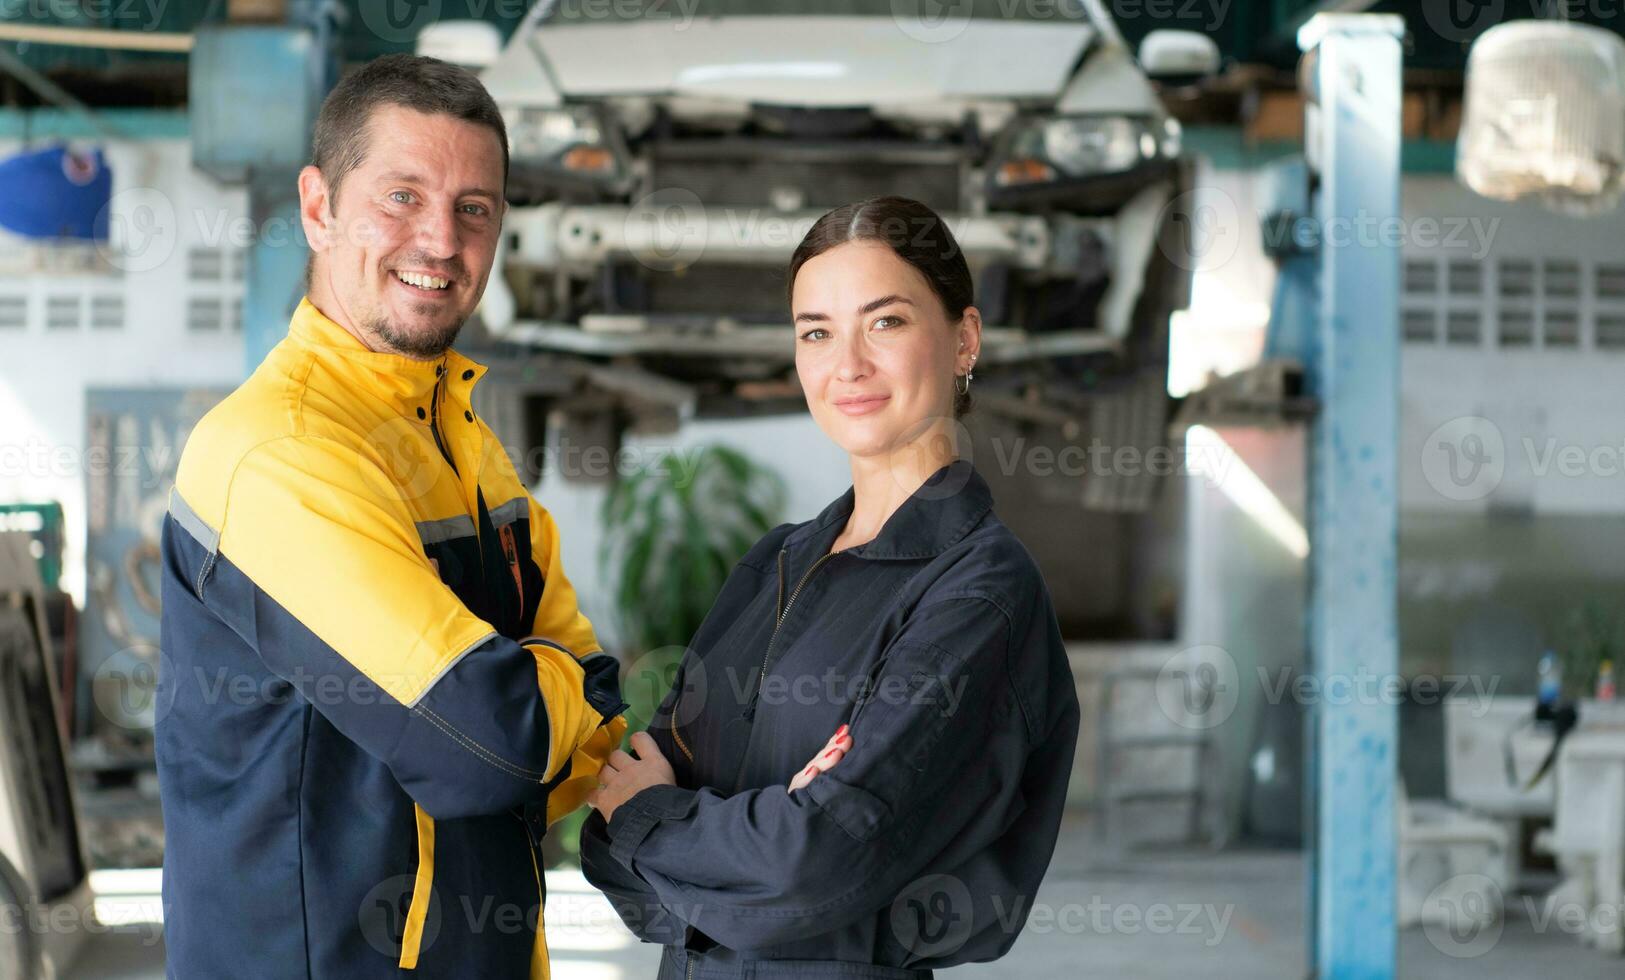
(56,193)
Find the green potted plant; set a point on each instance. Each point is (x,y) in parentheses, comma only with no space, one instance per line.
(673,529)
(1590,635)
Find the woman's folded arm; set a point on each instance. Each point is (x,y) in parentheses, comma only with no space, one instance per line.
(938,744)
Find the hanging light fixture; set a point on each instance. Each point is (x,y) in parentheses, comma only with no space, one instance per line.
(1544,115)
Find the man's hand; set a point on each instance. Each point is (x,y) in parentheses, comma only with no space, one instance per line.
(623,775)
(833,751)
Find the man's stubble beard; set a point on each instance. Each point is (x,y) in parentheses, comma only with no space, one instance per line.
(421,346)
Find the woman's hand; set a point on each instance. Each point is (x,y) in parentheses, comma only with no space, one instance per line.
(622,775)
(833,751)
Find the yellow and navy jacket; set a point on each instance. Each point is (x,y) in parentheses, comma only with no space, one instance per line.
(376,688)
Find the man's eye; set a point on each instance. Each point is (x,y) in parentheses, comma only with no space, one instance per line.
(475,209)
(400,197)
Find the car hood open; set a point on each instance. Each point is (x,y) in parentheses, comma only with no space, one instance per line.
(815,60)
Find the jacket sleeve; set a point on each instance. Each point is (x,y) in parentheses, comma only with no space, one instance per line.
(559,619)
(933,764)
(338,598)
(632,898)
(570,794)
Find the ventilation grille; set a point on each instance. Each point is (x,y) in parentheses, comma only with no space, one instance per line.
(107,313)
(204,314)
(13,312)
(62,313)
(1515,303)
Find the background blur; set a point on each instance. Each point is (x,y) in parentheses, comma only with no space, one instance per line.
(1303,384)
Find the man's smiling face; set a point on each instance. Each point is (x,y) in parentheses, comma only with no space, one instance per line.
(404,249)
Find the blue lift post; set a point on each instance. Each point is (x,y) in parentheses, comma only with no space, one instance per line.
(255,90)
(1352,140)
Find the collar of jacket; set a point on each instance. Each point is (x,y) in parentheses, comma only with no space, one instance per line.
(946,506)
(406,383)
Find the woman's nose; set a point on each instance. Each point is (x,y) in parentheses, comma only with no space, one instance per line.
(854,361)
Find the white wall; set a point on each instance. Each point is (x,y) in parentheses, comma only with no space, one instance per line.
(1552,435)
(161,210)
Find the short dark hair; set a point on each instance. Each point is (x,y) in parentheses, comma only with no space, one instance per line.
(918,236)
(408,80)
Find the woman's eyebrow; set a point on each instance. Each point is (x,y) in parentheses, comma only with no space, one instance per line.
(886,300)
(811,316)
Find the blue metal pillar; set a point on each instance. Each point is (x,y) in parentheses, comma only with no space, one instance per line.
(256,89)
(275,274)
(1352,140)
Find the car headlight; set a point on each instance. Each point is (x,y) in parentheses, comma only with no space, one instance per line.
(574,140)
(1062,147)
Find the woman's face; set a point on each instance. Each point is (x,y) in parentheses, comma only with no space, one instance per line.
(875,351)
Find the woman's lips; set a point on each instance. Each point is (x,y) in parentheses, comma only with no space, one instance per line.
(862,405)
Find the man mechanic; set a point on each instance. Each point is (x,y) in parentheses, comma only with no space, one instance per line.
(377,689)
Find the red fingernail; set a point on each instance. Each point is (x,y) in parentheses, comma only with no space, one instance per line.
(840,731)
(831,752)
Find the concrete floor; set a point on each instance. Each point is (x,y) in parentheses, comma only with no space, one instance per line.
(1145,914)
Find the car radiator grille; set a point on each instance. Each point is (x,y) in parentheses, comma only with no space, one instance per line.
(754,174)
